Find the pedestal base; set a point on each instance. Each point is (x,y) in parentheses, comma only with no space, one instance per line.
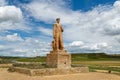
(50,71)
(59,59)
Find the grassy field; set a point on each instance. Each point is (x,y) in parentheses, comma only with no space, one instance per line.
(99,65)
(22,59)
(99,61)
(95,57)
(95,61)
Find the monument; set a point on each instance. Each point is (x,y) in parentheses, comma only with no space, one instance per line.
(58,57)
(58,61)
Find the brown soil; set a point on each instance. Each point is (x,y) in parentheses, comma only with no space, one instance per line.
(5,75)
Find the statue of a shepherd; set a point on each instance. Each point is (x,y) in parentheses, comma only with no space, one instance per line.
(57,44)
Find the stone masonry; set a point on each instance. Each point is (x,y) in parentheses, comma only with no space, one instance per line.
(59,59)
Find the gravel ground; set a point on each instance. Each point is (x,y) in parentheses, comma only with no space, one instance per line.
(5,75)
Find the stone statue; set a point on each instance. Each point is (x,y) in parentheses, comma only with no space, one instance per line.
(58,57)
(57,44)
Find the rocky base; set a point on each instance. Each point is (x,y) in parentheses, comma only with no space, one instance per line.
(49,71)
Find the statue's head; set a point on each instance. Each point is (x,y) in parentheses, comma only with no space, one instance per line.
(58,20)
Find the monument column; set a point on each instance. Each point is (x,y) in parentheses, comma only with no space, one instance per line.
(58,57)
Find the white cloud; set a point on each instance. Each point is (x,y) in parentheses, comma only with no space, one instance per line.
(1,46)
(77,43)
(99,46)
(48,11)
(10,13)
(117,4)
(14,37)
(11,18)
(80,46)
(7,25)
(117,40)
(3,2)
(45,31)
(28,47)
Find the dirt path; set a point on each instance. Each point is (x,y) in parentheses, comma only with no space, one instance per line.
(4,75)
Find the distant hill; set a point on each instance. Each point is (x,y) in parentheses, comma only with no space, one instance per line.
(94,56)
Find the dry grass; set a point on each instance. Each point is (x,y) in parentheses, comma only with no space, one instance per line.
(102,63)
(5,65)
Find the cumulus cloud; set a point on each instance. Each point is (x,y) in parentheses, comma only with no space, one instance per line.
(8,25)
(10,13)
(99,46)
(117,4)
(11,18)
(77,43)
(80,46)
(3,2)
(13,37)
(45,31)
(1,46)
(28,47)
(54,8)
(117,38)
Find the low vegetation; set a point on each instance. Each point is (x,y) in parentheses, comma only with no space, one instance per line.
(95,57)
(6,60)
(95,61)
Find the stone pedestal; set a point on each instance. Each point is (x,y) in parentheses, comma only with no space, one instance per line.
(59,59)
(58,62)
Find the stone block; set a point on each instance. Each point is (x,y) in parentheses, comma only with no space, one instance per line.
(58,59)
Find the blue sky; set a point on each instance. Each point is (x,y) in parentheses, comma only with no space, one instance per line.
(89,26)
(86,5)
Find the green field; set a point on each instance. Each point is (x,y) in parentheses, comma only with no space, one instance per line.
(99,65)
(97,61)
(95,57)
